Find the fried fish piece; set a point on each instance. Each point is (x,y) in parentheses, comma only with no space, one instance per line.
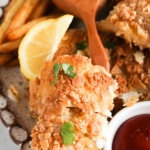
(86,101)
(130,19)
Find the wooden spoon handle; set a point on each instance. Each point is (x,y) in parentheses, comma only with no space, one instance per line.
(96,50)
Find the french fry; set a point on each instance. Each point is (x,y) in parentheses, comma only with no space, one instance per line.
(10,13)
(21,31)
(5,58)
(39,10)
(23,14)
(9,46)
(9,7)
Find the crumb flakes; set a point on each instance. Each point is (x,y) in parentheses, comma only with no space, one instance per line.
(139,57)
(129,98)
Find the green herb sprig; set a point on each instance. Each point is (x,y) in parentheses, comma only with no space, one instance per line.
(67,133)
(67,68)
(80,46)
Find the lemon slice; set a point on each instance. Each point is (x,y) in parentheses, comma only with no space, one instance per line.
(41,43)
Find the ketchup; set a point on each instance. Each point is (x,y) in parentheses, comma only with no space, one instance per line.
(133,134)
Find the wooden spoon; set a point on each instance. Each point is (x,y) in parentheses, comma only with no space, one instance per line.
(86,10)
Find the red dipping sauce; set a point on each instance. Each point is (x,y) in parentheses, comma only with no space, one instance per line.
(133,134)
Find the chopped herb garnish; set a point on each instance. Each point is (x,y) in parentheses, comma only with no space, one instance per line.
(113,76)
(67,68)
(110,45)
(67,133)
(80,46)
(56,69)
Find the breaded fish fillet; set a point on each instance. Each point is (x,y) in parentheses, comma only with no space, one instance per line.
(85,101)
(130,19)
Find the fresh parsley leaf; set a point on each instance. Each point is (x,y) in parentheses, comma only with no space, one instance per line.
(73,75)
(67,68)
(67,133)
(110,45)
(113,76)
(80,46)
(53,83)
(56,69)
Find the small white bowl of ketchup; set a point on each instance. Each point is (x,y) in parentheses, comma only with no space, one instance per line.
(129,129)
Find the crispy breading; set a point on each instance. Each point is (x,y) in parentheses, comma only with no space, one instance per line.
(86,101)
(131,73)
(69,41)
(130,19)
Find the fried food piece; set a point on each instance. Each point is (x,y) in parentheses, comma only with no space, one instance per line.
(70,40)
(131,68)
(22,14)
(10,46)
(130,20)
(21,31)
(40,10)
(8,17)
(85,100)
(135,73)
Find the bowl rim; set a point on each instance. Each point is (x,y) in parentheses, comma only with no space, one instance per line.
(127,112)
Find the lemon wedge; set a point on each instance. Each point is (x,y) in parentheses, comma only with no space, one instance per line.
(41,43)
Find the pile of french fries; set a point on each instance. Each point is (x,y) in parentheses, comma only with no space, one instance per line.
(19,16)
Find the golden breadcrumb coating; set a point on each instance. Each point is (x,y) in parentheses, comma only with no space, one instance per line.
(130,19)
(86,101)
